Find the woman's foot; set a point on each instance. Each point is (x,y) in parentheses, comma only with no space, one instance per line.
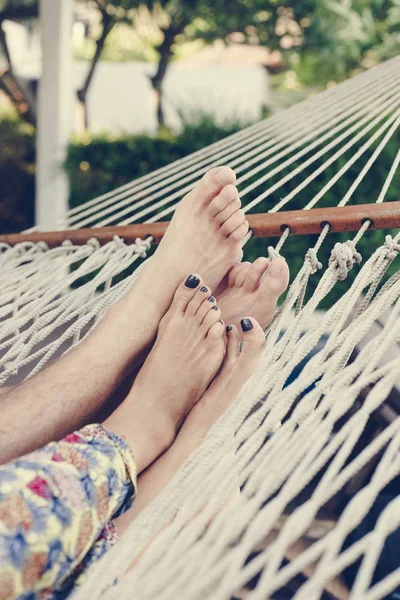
(185,358)
(253,289)
(243,352)
(234,373)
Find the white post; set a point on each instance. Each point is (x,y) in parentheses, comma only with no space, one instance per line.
(55,110)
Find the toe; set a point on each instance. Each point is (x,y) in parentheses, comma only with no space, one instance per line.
(202,293)
(234,222)
(186,292)
(212,316)
(233,273)
(228,197)
(253,339)
(213,182)
(241,275)
(216,331)
(228,211)
(276,278)
(254,274)
(240,233)
(232,345)
(204,307)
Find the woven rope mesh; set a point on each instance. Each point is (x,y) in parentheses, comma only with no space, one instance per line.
(270,504)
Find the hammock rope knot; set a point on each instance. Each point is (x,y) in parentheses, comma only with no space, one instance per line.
(142,247)
(94,243)
(343,257)
(118,242)
(312,259)
(43,246)
(392,248)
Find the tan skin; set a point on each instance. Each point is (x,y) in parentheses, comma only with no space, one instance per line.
(207,230)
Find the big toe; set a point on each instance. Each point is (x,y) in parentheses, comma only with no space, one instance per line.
(254,274)
(185,293)
(276,277)
(213,182)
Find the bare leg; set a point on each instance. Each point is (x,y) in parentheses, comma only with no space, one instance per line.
(236,370)
(186,356)
(67,395)
(247,288)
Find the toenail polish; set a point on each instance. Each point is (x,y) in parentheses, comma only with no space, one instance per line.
(204,289)
(246,325)
(229,328)
(211,299)
(192,282)
(215,307)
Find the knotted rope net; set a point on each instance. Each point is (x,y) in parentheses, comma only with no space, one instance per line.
(292,443)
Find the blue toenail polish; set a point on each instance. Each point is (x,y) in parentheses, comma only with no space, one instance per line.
(246,325)
(192,282)
(229,328)
(211,299)
(204,289)
(215,307)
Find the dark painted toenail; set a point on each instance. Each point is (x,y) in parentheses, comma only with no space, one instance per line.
(192,282)
(246,325)
(204,289)
(211,299)
(215,307)
(229,328)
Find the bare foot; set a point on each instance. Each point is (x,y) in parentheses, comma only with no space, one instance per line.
(185,358)
(205,236)
(253,289)
(207,230)
(235,372)
(240,363)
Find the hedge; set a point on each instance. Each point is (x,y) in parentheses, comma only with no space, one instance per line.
(17,175)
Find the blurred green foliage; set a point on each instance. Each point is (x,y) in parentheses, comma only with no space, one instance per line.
(17,174)
(98,164)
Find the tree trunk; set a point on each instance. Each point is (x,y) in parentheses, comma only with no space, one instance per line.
(82,94)
(165,52)
(9,84)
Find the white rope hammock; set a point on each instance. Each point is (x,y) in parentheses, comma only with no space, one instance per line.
(202,538)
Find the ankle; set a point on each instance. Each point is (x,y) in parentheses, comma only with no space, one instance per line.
(147,437)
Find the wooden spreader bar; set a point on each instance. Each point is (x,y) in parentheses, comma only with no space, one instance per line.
(300,222)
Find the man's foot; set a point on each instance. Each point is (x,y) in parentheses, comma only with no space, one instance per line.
(205,236)
(253,289)
(186,356)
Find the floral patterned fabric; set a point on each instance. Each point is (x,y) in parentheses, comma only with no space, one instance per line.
(55,510)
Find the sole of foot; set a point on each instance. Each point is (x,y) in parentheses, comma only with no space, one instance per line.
(253,288)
